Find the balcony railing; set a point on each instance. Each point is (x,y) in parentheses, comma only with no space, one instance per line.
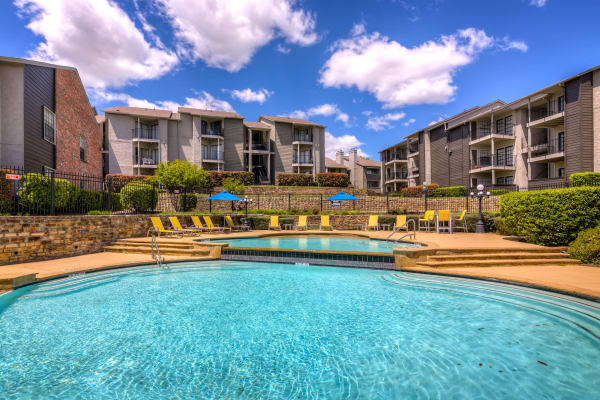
(397,175)
(412,150)
(302,159)
(213,131)
(147,160)
(212,156)
(303,137)
(547,148)
(402,156)
(145,132)
(492,161)
(550,108)
(373,177)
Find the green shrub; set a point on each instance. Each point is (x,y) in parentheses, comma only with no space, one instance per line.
(115,202)
(417,191)
(91,199)
(550,217)
(180,174)
(450,191)
(284,179)
(36,192)
(398,211)
(586,247)
(5,196)
(585,179)
(115,182)
(332,179)
(98,212)
(216,178)
(187,202)
(234,186)
(498,192)
(491,222)
(139,196)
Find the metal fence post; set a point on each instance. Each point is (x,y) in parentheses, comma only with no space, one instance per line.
(153,194)
(52,188)
(109,190)
(289,202)
(387,203)
(321,199)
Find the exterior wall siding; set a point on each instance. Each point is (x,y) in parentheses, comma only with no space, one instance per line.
(283,144)
(11,114)
(578,126)
(120,147)
(422,168)
(38,91)
(75,119)
(596,122)
(439,157)
(458,156)
(234,145)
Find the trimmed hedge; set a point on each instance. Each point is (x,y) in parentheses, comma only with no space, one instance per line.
(332,179)
(216,178)
(586,247)
(417,191)
(285,179)
(258,222)
(35,192)
(5,196)
(550,217)
(115,182)
(585,179)
(139,196)
(187,202)
(450,191)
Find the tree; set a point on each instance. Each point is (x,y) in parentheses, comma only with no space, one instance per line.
(180,174)
(234,186)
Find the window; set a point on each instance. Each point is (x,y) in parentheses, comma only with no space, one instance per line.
(561,141)
(500,126)
(504,126)
(504,156)
(500,180)
(49,126)
(560,102)
(82,147)
(509,180)
(484,128)
(561,172)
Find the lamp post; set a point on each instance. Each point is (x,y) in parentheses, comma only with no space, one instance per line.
(480,227)
(425,194)
(246,200)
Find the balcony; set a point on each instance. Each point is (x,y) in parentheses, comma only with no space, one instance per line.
(146,161)
(487,163)
(546,151)
(145,133)
(302,138)
(373,177)
(549,115)
(302,160)
(413,172)
(212,156)
(397,176)
(413,151)
(485,134)
(396,157)
(213,133)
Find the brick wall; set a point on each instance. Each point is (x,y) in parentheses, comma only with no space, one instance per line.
(25,239)
(74,118)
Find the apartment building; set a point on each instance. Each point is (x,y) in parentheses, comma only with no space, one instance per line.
(534,141)
(362,172)
(46,120)
(138,139)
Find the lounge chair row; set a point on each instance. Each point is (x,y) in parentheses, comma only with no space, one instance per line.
(443,221)
(198,226)
(302,223)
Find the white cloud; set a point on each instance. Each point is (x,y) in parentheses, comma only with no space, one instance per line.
(248,95)
(202,100)
(435,121)
(226,34)
(325,110)
(379,123)
(358,29)
(537,3)
(409,122)
(344,142)
(399,76)
(283,49)
(98,38)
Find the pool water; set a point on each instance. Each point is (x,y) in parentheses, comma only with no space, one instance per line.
(249,330)
(316,242)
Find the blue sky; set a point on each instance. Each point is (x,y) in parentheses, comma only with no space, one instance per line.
(372,71)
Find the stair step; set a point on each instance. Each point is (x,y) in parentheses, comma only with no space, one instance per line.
(457,252)
(146,244)
(498,256)
(498,263)
(163,251)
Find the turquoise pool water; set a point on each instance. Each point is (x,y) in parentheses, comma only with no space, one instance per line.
(316,242)
(249,330)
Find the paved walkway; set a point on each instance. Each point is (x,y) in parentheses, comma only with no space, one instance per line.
(576,279)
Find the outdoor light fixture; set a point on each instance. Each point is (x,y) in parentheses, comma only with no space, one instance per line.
(246,200)
(480,227)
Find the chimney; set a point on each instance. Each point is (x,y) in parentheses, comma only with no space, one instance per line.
(339,157)
(352,159)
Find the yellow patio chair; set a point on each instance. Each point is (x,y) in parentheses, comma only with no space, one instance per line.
(325,223)
(427,219)
(302,222)
(274,223)
(177,226)
(233,226)
(198,223)
(373,222)
(400,223)
(461,222)
(159,228)
(443,222)
(213,227)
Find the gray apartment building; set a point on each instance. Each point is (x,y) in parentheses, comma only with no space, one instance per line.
(362,172)
(138,139)
(534,141)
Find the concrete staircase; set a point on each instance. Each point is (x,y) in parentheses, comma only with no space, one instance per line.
(167,248)
(499,258)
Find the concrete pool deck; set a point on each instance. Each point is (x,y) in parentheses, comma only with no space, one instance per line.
(573,279)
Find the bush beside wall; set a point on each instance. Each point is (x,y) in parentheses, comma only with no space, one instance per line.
(585,179)
(217,178)
(586,247)
(450,191)
(5,196)
(550,217)
(332,179)
(284,179)
(139,196)
(417,191)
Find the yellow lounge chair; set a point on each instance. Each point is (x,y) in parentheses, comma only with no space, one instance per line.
(325,223)
(426,220)
(198,223)
(461,222)
(160,228)
(213,227)
(443,222)
(274,222)
(233,226)
(400,223)
(177,226)
(302,222)
(373,222)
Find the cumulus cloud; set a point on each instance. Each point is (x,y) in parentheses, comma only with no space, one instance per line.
(226,34)
(399,76)
(435,121)
(381,122)
(98,38)
(537,3)
(409,122)
(248,95)
(203,100)
(344,142)
(283,49)
(325,110)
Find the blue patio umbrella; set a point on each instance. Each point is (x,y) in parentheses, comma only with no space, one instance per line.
(224,196)
(342,196)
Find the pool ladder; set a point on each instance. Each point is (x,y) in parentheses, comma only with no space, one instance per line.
(156,252)
(411,235)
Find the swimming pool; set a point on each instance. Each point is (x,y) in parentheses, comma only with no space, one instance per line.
(247,330)
(318,242)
